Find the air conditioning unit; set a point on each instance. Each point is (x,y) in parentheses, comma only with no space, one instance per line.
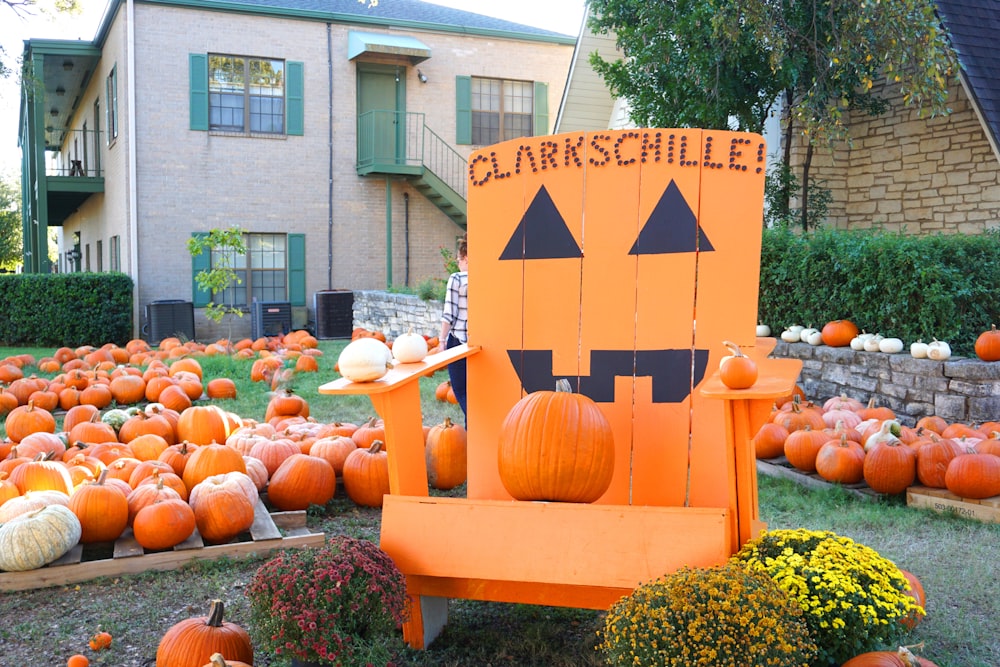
(334,313)
(169,318)
(270,318)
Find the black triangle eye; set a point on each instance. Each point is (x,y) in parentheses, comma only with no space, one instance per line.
(542,233)
(672,227)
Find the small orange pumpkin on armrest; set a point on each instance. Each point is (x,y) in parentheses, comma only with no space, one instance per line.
(737,371)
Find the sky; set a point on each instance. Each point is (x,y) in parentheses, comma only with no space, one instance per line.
(562,16)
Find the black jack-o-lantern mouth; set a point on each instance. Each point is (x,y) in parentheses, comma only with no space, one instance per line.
(673,372)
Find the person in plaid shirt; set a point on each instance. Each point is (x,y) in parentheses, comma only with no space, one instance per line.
(455,320)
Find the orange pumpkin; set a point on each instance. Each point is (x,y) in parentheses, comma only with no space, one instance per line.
(971,475)
(838,333)
(102,510)
(193,641)
(737,371)
(41,475)
(211,459)
(27,419)
(901,658)
(221,389)
(334,449)
(222,509)
(366,475)
(446,455)
(802,447)
(988,344)
(556,446)
(933,458)
(300,481)
(147,494)
(163,524)
(917,593)
(890,467)
(841,461)
(203,425)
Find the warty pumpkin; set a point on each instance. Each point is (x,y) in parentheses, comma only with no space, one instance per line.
(556,446)
(36,538)
(193,641)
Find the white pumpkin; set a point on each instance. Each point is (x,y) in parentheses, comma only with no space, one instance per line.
(791,334)
(763,331)
(37,538)
(938,350)
(918,349)
(409,348)
(812,336)
(364,360)
(890,345)
(872,344)
(858,342)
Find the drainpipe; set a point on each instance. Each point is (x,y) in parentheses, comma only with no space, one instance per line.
(406,237)
(388,232)
(329,139)
(133,214)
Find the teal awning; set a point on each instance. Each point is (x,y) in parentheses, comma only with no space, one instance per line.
(400,46)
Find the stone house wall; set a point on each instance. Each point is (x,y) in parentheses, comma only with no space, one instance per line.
(903,173)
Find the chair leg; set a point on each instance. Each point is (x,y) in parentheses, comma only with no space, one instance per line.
(428,616)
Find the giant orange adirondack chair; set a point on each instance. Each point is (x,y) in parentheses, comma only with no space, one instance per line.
(593,256)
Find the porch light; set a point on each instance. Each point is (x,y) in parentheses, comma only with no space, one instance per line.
(60,91)
(68,65)
(53,112)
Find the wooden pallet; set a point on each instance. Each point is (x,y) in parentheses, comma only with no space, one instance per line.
(780,467)
(269,532)
(942,500)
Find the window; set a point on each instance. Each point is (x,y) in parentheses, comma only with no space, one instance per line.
(86,258)
(246,93)
(112,111)
(273,269)
(501,110)
(114,253)
(100,256)
(491,110)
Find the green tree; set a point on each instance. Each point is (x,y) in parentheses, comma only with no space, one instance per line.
(10,224)
(719,63)
(224,245)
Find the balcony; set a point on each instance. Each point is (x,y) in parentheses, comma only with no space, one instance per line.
(395,142)
(73,173)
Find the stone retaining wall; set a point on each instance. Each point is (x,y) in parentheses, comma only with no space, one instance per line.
(958,390)
(394,314)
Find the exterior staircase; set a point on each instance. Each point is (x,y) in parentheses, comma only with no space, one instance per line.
(396,142)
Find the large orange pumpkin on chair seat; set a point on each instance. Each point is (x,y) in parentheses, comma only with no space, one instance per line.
(556,446)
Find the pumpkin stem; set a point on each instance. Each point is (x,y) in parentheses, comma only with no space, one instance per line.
(733,347)
(215,614)
(562,384)
(217,660)
(447,423)
(376,447)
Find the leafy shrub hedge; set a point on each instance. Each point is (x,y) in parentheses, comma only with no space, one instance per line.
(72,309)
(911,287)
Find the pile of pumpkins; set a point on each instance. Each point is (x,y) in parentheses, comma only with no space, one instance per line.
(169,468)
(846,441)
(844,333)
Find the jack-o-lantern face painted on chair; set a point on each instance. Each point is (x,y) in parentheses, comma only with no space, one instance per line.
(598,255)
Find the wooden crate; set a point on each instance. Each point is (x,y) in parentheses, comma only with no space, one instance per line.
(269,532)
(780,467)
(941,500)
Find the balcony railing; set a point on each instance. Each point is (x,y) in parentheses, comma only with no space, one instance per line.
(79,153)
(401,142)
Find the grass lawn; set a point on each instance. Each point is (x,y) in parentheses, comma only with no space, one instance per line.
(954,558)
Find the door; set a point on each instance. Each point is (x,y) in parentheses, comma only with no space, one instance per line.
(381,115)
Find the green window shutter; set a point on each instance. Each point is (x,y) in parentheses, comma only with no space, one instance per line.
(294,99)
(199,263)
(541,119)
(198,78)
(297,269)
(463,109)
